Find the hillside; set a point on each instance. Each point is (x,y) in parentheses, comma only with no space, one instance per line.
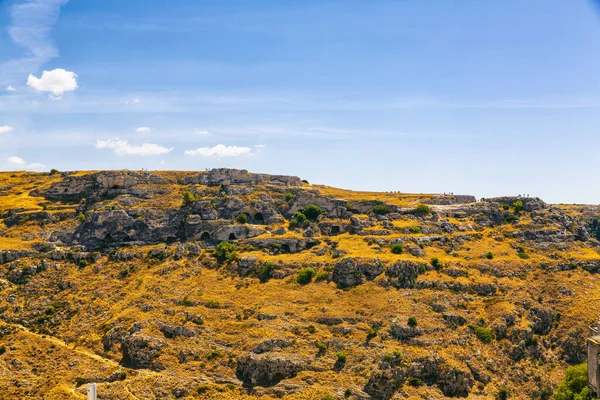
(122,278)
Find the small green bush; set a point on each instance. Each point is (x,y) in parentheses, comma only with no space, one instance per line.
(341,357)
(523,255)
(435,263)
(265,271)
(412,321)
(288,197)
(489,255)
(202,389)
(2,349)
(503,394)
(397,248)
(517,206)
(81,217)
(380,209)
(322,347)
(415,229)
(371,333)
(312,211)
(423,209)
(225,251)
(242,218)
(187,302)
(189,198)
(53,171)
(214,354)
(485,334)
(575,384)
(212,304)
(414,382)
(322,276)
(510,217)
(311,329)
(305,275)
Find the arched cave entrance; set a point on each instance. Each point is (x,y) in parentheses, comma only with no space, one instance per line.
(205,236)
(259,218)
(232,236)
(335,230)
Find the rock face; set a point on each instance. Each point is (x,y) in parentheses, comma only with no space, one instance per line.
(404,273)
(102,184)
(350,271)
(226,176)
(138,350)
(266,371)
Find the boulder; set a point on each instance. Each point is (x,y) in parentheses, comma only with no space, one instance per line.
(259,370)
(350,271)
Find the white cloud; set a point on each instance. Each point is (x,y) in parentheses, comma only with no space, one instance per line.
(5,129)
(14,160)
(36,166)
(134,101)
(220,150)
(19,162)
(57,82)
(201,132)
(123,148)
(10,89)
(260,146)
(30,24)
(143,129)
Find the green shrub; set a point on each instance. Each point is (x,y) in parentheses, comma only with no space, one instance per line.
(489,255)
(305,275)
(305,181)
(322,347)
(312,211)
(341,357)
(423,209)
(371,333)
(380,209)
(322,276)
(81,217)
(311,329)
(225,251)
(503,394)
(517,206)
(203,389)
(82,263)
(187,302)
(2,349)
(435,263)
(414,382)
(397,248)
(265,271)
(288,197)
(485,334)
(214,354)
(212,304)
(412,321)
(523,255)
(415,229)
(189,198)
(242,218)
(510,217)
(53,171)
(575,384)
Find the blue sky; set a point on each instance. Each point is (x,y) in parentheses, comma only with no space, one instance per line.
(484,98)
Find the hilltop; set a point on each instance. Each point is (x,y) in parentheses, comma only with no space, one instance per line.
(229,284)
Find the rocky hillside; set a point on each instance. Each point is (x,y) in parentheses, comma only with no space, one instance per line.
(228,284)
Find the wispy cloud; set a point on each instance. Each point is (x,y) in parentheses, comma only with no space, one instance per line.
(30,24)
(143,129)
(9,88)
(18,162)
(220,150)
(123,148)
(201,132)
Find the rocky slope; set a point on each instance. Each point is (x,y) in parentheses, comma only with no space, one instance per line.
(122,278)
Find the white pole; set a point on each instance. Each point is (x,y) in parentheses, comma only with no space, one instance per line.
(91,391)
